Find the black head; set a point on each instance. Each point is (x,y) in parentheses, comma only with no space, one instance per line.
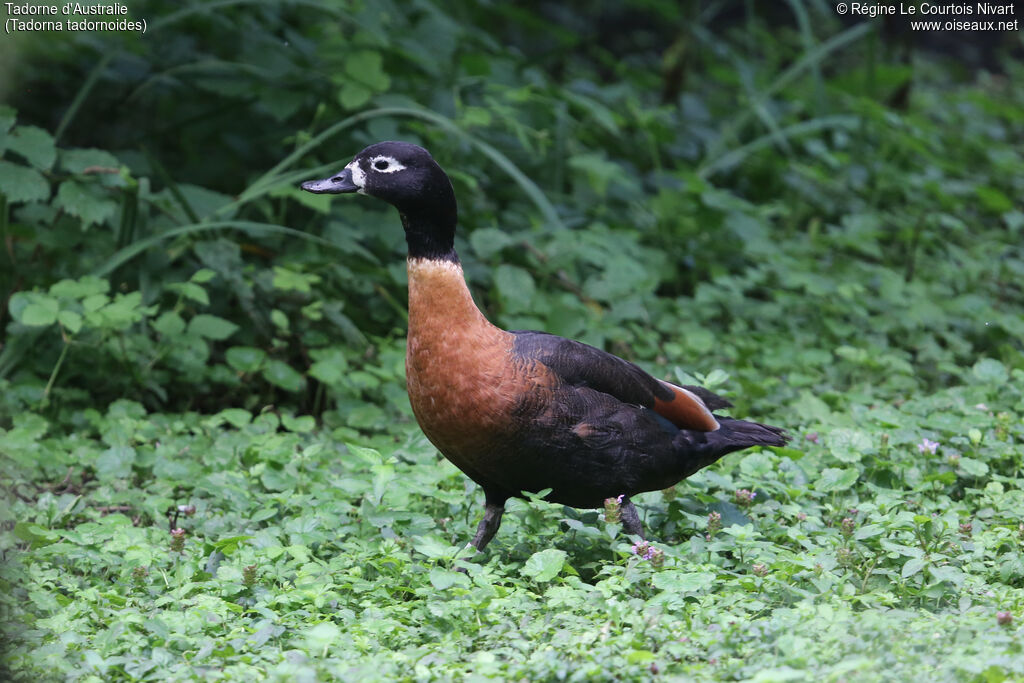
(407,177)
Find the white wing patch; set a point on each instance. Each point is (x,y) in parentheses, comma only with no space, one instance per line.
(358,176)
(385,164)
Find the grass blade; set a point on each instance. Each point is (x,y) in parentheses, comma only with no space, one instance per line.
(83,92)
(734,157)
(122,256)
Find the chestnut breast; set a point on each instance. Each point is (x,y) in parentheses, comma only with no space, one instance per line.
(463,379)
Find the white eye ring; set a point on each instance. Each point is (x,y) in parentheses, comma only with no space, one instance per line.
(385,164)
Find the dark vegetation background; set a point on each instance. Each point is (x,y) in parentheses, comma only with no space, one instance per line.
(828,211)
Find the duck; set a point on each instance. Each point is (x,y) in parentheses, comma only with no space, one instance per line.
(521,411)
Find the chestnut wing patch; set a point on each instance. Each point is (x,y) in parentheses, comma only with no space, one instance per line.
(686,409)
(580,365)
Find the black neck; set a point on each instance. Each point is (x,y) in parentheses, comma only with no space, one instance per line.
(430,238)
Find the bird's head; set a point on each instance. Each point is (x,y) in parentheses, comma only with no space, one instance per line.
(407,177)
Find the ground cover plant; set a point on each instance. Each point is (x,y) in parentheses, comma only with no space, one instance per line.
(209,465)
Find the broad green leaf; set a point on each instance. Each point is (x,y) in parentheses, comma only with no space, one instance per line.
(368,68)
(994,199)
(640,657)
(598,169)
(731,515)
(203,275)
(868,531)
(370,456)
(716,378)
(115,463)
(290,280)
(759,465)
(330,369)
(443,579)
(76,161)
(433,548)
(675,581)
(34,534)
(119,314)
(245,358)
(35,144)
(278,479)
(88,202)
(71,321)
(947,573)
(912,567)
(22,184)
(94,302)
(283,375)
(40,310)
(849,445)
(229,574)
(990,371)
(80,288)
(354,95)
(303,424)
(236,416)
(169,324)
(230,544)
(190,290)
(972,467)
(544,565)
(488,241)
(280,320)
(515,287)
(782,674)
(8,115)
(211,327)
(835,479)
(320,638)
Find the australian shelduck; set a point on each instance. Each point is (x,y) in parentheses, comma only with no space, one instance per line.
(520,411)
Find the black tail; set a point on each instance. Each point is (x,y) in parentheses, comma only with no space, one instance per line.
(697,449)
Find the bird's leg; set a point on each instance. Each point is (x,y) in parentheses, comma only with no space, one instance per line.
(630,518)
(488,525)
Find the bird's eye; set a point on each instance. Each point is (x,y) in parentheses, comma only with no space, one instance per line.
(386,164)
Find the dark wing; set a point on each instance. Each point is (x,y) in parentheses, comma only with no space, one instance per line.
(580,365)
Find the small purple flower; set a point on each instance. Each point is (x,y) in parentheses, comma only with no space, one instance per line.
(249,575)
(177,540)
(745,497)
(646,551)
(928,446)
(613,510)
(847,526)
(714,523)
(139,575)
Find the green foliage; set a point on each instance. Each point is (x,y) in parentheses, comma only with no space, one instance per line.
(750,186)
(303,557)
